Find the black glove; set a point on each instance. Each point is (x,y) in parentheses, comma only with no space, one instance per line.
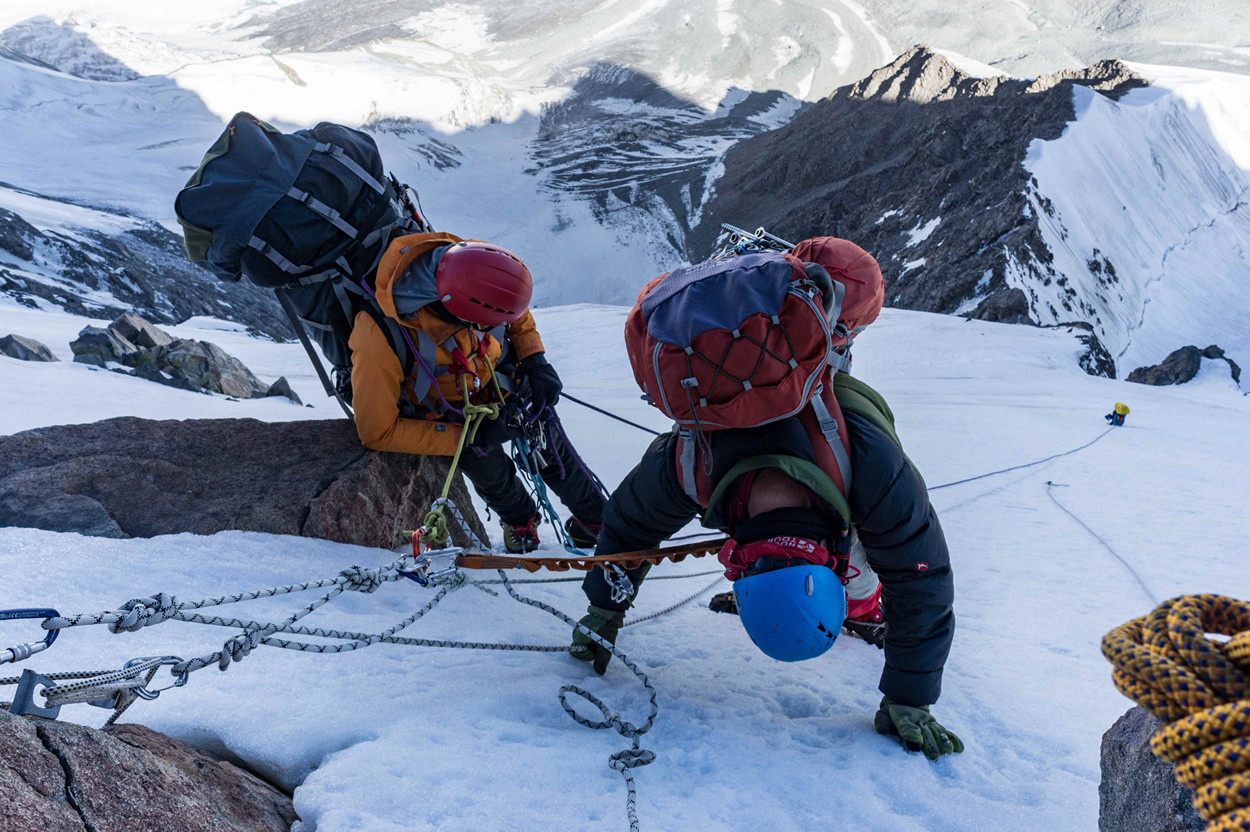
(499,430)
(545,385)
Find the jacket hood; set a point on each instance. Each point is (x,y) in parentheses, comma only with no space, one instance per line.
(405,274)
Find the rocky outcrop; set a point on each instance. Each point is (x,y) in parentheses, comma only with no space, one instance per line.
(922,165)
(140,331)
(282,387)
(1179,367)
(1215,352)
(99,347)
(132,477)
(183,363)
(141,268)
(1005,306)
(1138,792)
(62,777)
(206,366)
(25,349)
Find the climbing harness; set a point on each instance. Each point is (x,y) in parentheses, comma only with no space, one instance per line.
(1199,687)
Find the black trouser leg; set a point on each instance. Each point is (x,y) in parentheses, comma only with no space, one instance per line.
(647,507)
(572,482)
(494,477)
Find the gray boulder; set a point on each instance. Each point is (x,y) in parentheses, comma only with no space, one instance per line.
(1138,792)
(140,331)
(150,372)
(101,346)
(62,777)
(282,387)
(25,349)
(208,367)
(133,477)
(1179,367)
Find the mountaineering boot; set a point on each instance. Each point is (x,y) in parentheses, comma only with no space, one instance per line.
(520,539)
(582,535)
(865,619)
(604,623)
(724,602)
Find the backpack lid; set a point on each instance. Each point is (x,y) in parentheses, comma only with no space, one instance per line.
(857,271)
(717,294)
(233,211)
(221,205)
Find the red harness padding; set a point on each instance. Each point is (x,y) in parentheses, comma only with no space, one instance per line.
(690,454)
(737,558)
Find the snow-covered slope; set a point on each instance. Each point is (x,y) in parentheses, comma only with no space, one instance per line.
(1144,204)
(584,136)
(393,738)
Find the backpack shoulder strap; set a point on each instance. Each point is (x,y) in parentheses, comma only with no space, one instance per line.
(854,396)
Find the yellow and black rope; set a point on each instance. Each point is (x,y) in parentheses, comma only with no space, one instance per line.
(1199,687)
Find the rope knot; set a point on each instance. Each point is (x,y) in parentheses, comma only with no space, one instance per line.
(631,758)
(237,648)
(141,612)
(360,579)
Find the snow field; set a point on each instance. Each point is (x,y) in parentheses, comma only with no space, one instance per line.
(1157,184)
(391,737)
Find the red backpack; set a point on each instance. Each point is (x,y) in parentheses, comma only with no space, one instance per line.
(747,339)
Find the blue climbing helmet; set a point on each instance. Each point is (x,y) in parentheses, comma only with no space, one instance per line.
(792,611)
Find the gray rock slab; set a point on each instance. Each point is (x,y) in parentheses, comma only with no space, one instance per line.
(25,349)
(131,477)
(1138,792)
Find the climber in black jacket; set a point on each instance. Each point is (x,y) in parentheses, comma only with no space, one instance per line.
(897,528)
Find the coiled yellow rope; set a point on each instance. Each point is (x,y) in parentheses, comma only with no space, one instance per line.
(1199,687)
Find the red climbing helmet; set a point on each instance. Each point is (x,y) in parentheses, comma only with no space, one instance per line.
(483,284)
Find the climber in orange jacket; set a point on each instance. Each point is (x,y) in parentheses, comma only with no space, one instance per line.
(461,310)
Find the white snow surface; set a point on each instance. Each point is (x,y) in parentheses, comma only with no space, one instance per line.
(392,738)
(1157,184)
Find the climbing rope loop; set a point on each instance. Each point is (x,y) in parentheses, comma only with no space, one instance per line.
(1200,688)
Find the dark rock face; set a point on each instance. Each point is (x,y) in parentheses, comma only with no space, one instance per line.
(100,346)
(140,331)
(132,477)
(282,387)
(206,366)
(143,269)
(1097,359)
(61,777)
(1138,792)
(921,165)
(25,349)
(183,363)
(1005,306)
(1179,367)
(1214,351)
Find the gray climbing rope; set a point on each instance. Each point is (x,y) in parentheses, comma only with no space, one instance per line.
(676,606)
(1050,486)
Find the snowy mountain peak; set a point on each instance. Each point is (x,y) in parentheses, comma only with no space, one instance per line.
(922,75)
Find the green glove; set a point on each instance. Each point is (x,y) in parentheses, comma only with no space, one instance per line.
(916,729)
(603,623)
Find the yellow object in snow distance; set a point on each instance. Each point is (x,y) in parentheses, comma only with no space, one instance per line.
(1121,408)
